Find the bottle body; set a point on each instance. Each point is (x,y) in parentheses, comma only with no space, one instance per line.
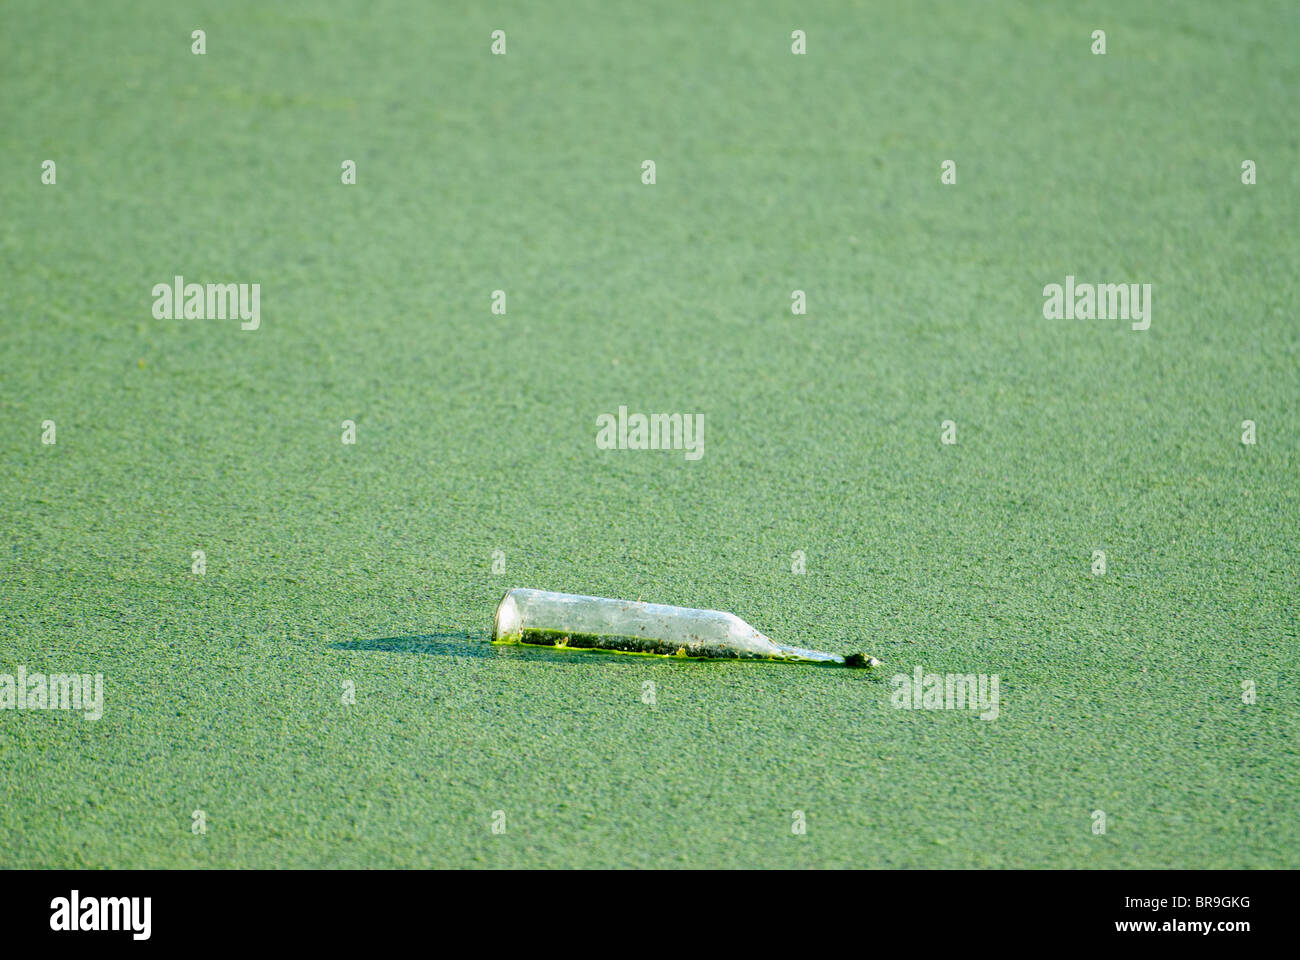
(543,618)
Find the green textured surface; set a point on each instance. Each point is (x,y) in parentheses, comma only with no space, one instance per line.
(372,563)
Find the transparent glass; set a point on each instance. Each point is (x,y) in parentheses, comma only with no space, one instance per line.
(542,618)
